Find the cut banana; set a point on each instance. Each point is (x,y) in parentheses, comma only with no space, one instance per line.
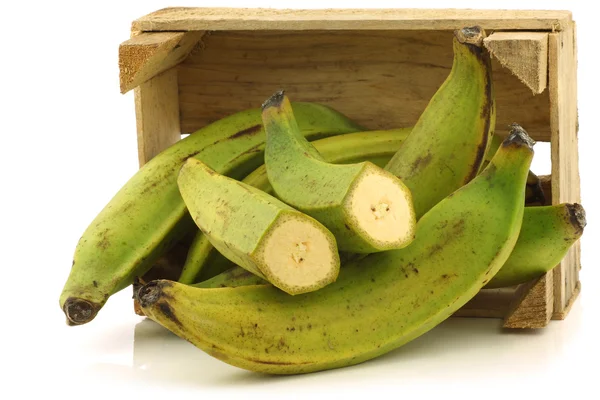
(366,208)
(258,232)
(299,253)
(382,208)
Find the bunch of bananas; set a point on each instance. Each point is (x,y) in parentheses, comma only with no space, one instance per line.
(344,245)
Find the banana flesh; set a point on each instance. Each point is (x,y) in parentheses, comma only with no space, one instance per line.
(378,303)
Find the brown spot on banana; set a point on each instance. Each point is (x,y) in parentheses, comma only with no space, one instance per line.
(253,130)
(168,312)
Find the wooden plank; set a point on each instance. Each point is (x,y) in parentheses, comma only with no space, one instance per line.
(146,55)
(532,305)
(381,79)
(563,314)
(488,303)
(525,54)
(190,19)
(564,152)
(157,115)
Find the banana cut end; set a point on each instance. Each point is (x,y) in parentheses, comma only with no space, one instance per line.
(79,311)
(382,209)
(299,255)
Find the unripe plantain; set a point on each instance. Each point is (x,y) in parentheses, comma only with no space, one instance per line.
(366,208)
(447,144)
(147,216)
(546,235)
(377,303)
(258,232)
(204,262)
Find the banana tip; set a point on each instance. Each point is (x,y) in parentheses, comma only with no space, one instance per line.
(275,100)
(577,216)
(518,136)
(150,293)
(471,34)
(79,311)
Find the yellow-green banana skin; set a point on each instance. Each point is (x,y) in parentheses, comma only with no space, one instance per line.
(547,233)
(377,303)
(447,144)
(233,277)
(148,215)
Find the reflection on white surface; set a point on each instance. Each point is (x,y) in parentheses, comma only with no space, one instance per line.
(120,355)
(460,349)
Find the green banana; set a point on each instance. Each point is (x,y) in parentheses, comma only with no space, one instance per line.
(546,235)
(377,303)
(147,216)
(366,208)
(204,262)
(447,145)
(258,232)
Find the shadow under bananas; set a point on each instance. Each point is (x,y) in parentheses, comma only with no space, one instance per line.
(473,346)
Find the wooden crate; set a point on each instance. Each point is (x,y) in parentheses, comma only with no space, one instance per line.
(191,66)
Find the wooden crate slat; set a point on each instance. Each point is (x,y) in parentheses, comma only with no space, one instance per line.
(189,19)
(146,55)
(532,306)
(381,79)
(564,152)
(525,54)
(157,115)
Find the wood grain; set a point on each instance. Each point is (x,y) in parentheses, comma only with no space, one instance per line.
(189,19)
(157,115)
(564,153)
(525,54)
(381,79)
(563,314)
(532,304)
(146,55)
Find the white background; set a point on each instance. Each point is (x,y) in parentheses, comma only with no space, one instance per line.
(69,143)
